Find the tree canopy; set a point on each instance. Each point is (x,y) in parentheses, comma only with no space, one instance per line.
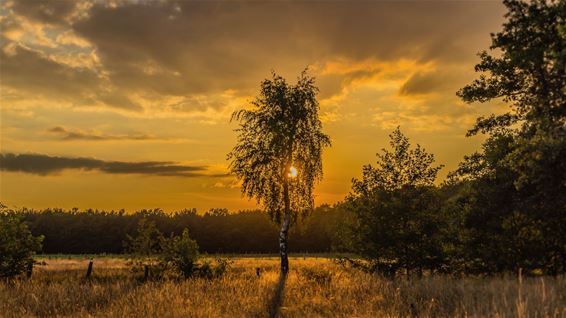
(282,129)
(396,211)
(516,183)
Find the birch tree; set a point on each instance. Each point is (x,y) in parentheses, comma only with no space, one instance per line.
(278,155)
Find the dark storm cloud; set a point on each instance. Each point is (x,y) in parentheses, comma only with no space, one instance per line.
(65,134)
(206,46)
(198,47)
(47,165)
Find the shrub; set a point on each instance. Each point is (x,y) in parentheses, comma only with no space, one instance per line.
(396,220)
(209,270)
(145,246)
(179,254)
(17,244)
(173,257)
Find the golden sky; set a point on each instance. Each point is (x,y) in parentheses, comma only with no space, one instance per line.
(127,104)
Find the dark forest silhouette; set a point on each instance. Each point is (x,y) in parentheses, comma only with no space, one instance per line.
(216,231)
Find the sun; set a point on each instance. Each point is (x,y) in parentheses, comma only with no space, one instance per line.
(292,172)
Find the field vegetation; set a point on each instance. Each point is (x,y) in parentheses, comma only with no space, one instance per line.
(315,287)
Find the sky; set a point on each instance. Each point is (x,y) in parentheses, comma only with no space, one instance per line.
(127,104)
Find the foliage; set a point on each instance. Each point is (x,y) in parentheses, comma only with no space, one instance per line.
(281,130)
(145,246)
(526,68)
(180,254)
(397,221)
(513,200)
(402,167)
(209,269)
(179,257)
(17,244)
(280,135)
(95,232)
(318,288)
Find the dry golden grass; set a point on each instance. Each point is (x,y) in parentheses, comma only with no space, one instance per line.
(315,287)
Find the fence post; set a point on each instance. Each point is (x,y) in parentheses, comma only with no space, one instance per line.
(89,269)
(29,271)
(146,272)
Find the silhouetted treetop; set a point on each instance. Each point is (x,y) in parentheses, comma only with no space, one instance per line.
(526,68)
(399,167)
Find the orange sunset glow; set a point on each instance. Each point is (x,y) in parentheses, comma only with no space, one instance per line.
(127,104)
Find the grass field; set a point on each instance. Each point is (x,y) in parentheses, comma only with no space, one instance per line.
(315,287)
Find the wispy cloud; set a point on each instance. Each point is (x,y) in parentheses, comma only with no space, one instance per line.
(67,134)
(41,164)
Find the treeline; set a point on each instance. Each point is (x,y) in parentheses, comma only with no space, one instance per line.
(216,231)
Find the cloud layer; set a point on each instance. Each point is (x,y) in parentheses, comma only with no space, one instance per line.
(66,134)
(138,56)
(40,164)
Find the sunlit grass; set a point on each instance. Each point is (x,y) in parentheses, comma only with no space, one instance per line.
(316,287)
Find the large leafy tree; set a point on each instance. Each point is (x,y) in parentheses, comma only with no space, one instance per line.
(278,155)
(517,182)
(397,221)
(525,68)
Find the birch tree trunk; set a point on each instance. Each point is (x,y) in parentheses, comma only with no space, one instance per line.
(284,233)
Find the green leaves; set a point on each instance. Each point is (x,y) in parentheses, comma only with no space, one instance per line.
(515,207)
(180,253)
(146,241)
(282,129)
(397,220)
(398,168)
(525,67)
(17,244)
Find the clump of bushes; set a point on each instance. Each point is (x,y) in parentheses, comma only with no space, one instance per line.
(145,247)
(17,244)
(170,257)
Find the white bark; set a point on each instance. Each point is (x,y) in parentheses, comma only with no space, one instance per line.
(284,233)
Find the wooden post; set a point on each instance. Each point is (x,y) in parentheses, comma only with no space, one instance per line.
(258,271)
(89,269)
(29,270)
(146,272)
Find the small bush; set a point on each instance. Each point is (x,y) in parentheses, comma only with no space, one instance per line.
(179,254)
(209,270)
(17,244)
(144,247)
(172,257)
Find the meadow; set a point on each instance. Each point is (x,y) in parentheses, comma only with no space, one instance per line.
(315,287)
